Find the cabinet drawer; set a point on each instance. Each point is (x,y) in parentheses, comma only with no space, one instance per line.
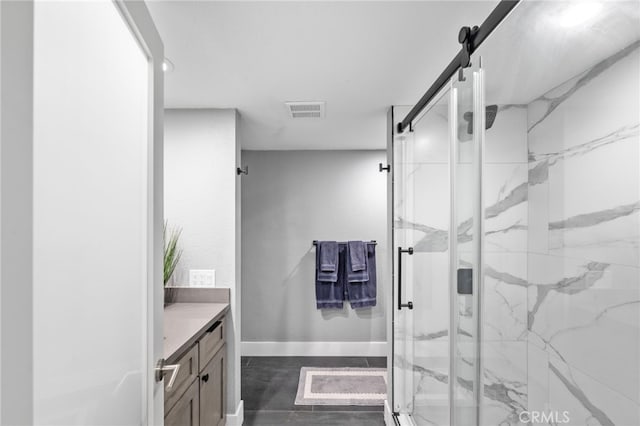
(186,412)
(212,340)
(186,375)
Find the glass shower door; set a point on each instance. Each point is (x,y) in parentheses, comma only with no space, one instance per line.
(465,246)
(436,182)
(421,259)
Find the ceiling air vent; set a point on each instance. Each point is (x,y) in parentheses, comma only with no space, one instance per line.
(305,109)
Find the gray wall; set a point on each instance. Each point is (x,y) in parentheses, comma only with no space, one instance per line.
(202,196)
(200,189)
(289,199)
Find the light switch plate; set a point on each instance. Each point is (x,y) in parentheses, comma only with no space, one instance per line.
(202,278)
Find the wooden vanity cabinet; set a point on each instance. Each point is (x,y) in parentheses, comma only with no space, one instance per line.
(212,395)
(186,411)
(198,397)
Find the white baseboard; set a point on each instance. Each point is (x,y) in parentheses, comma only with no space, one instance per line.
(314,348)
(237,418)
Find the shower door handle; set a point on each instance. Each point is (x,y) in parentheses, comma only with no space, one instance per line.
(400,304)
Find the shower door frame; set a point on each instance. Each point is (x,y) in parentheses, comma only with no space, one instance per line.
(478,158)
(470,38)
(450,89)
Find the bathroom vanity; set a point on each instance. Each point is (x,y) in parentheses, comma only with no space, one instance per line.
(194,339)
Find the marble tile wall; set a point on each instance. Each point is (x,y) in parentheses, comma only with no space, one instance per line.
(504,316)
(583,313)
(561,300)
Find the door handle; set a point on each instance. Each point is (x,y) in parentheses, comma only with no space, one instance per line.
(163,368)
(205,378)
(400,304)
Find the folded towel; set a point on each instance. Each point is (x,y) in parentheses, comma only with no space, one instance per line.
(363,294)
(353,275)
(328,256)
(331,294)
(358,255)
(321,275)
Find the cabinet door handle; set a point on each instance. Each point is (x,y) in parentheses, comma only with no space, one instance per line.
(205,378)
(214,326)
(163,368)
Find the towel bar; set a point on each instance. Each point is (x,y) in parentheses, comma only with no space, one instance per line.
(374,242)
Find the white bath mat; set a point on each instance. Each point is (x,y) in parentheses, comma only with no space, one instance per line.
(342,386)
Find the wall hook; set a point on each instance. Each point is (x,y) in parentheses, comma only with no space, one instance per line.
(387,168)
(242,171)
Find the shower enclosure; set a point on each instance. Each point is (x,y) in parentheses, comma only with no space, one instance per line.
(516,228)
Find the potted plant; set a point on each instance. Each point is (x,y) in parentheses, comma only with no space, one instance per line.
(172,253)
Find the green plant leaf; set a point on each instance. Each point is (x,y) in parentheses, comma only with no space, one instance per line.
(172,252)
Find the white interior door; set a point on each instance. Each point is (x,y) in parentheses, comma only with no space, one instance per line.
(97,325)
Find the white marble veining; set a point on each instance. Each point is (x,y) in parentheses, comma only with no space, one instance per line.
(506,215)
(505,382)
(505,297)
(587,401)
(584,260)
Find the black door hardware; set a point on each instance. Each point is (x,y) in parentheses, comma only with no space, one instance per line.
(471,38)
(400,304)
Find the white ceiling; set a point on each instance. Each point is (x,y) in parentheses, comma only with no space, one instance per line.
(362,57)
(359,57)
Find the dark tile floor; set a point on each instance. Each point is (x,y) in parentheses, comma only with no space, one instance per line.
(270,384)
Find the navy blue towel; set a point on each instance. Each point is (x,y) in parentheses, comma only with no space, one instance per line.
(327,261)
(363,294)
(330,294)
(328,256)
(357,275)
(358,255)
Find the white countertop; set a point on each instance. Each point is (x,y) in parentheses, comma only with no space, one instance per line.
(184,323)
